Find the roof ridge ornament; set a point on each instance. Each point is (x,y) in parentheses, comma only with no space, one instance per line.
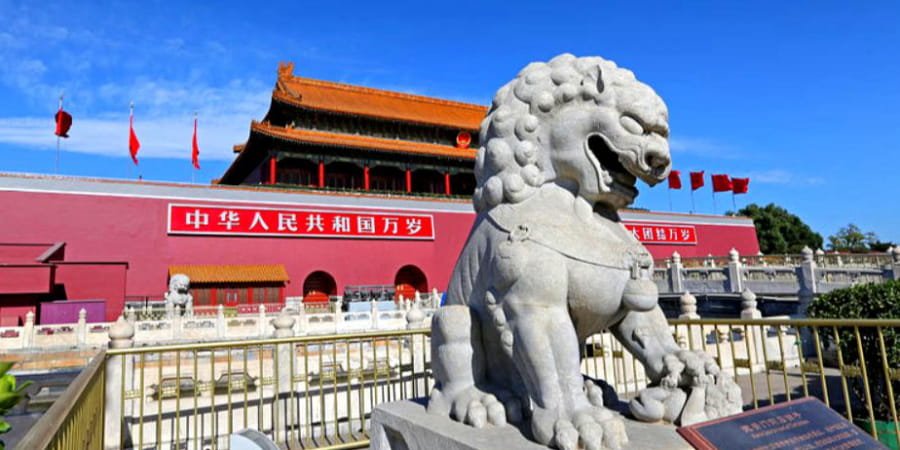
(285,69)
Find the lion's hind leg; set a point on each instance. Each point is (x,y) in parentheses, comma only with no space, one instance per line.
(458,369)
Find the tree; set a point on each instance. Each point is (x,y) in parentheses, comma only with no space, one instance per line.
(779,231)
(880,246)
(852,239)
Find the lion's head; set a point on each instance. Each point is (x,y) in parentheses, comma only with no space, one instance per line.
(581,123)
(179,284)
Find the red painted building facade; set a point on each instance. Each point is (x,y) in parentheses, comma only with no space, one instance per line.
(106,221)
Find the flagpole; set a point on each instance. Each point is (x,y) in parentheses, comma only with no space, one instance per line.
(693,208)
(57,136)
(193,169)
(733,204)
(670,200)
(714,198)
(130,128)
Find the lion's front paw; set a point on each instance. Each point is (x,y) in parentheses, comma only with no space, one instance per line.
(723,398)
(591,429)
(477,408)
(711,393)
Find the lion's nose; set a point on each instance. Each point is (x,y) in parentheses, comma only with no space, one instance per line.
(657,160)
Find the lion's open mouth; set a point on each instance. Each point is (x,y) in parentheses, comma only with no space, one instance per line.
(622,181)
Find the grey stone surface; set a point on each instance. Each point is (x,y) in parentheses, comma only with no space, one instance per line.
(548,263)
(405,426)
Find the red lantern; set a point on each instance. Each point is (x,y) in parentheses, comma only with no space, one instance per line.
(463,139)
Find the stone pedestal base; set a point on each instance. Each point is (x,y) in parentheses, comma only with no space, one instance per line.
(405,425)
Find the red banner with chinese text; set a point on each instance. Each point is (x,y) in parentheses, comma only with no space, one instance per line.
(663,233)
(255,221)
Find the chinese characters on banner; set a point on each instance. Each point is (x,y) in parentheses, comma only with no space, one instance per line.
(663,234)
(247,221)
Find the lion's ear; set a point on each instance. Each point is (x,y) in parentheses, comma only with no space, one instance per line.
(601,86)
(594,84)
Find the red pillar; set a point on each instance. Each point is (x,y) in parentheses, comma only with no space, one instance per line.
(273,169)
(408,180)
(447,190)
(321,174)
(366,177)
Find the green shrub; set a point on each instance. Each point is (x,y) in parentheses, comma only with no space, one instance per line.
(10,396)
(866,301)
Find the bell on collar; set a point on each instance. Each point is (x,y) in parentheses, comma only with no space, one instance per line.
(640,295)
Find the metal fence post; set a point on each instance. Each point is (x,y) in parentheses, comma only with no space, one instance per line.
(121,335)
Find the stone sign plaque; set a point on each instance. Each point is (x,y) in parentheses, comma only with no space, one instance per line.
(800,424)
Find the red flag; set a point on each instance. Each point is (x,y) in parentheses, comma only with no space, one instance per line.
(195,148)
(675,179)
(696,180)
(721,183)
(63,123)
(133,144)
(740,185)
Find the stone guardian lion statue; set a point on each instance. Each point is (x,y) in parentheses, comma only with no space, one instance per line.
(548,264)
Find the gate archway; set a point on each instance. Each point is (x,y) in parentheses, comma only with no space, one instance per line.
(318,286)
(408,280)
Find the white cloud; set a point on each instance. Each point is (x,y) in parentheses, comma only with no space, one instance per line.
(164,129)
(784,177)
(703,147)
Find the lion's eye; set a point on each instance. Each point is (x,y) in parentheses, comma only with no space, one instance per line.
(632,125)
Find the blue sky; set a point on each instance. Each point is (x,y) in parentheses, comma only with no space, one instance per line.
(802,97)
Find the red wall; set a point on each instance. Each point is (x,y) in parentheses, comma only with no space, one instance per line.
(95,281)
(25,278)
(131,229)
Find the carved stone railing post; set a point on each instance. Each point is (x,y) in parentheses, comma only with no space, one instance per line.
(748,305)
(373,312)
(338,314)
(121,335)
(81,329)
(756,335)
(808,289)
(131,316)
(301,325)
(415,318)
(262,324)
(676,274)
(284,327)
(435,298)
(28,331)
(895,262)
(694,333)
(807,277)
(688,306)
(220,321)
(735,277)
